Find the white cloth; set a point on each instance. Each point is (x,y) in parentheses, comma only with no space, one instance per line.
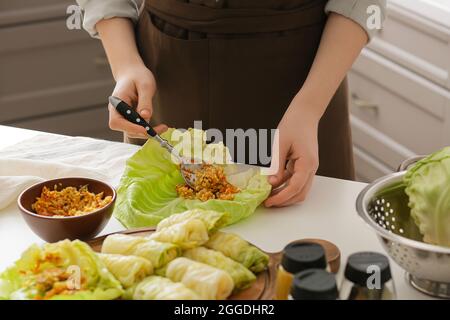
(50,156)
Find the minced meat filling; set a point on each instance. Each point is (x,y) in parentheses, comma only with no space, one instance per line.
(210,183)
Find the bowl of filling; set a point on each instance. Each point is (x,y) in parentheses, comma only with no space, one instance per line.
(67,208)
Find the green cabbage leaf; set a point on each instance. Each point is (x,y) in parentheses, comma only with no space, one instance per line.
(147,194)
(428,189)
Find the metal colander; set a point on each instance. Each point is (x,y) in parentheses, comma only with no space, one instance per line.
(383,205)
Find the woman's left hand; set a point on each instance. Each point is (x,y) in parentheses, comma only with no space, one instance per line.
(299,126)
(298,147)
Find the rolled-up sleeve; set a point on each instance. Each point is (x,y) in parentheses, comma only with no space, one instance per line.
(359,11)
(96,10)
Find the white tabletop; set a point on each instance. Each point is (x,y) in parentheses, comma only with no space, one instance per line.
(328,213)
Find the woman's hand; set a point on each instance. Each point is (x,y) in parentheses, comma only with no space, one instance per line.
(298,128)
(136,86)
(298,147)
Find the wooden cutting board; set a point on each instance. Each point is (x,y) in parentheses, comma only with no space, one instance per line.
(262,289)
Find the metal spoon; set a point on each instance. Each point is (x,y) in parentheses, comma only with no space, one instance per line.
(187,168)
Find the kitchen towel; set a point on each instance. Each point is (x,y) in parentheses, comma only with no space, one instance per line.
(52,156)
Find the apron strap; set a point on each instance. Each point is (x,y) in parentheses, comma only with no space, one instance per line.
(198,18)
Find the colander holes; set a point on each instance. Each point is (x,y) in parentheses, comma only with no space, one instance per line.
(393,219)
(386,214)
(382,209)
(376,208)
(388,204)
(391,211)
(377,202)
(382,201)
(401,230)
(387,223)
(383,218)
(392,227)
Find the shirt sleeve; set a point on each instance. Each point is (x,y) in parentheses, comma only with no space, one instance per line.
(96,10)
(359,11)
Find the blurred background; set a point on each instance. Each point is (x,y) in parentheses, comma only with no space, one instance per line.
(57,80)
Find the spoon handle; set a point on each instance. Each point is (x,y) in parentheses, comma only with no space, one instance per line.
(132,116)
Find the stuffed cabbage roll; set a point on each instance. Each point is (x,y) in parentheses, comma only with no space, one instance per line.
(159,288)
(209,283)
(65,270)
(212,219)
(158,253)
(236,248)
(129,270)
(242,277)
(187,234)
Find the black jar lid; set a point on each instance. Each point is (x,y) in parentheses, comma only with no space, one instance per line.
(299,256)
(360,267)
(314,284)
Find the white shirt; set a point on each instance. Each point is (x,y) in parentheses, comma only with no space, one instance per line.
(96,10)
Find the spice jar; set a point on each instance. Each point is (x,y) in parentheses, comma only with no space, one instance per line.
(332,253)
(297,257)
(367,277)
(314,284)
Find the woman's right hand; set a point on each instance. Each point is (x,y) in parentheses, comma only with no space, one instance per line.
(136,86)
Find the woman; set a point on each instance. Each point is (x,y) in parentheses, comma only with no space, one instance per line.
(241,64)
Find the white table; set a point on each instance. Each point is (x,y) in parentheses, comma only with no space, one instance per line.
(328,213)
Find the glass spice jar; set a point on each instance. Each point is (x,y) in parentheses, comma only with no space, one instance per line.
(297,257)
(367,276)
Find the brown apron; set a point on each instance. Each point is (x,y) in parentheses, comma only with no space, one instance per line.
(238,64)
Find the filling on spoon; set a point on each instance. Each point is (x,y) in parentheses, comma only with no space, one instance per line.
(210,183)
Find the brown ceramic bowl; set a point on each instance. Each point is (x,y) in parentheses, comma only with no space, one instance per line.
(52,229)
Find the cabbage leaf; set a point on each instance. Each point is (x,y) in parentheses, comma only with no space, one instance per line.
(428,189)
(147,194)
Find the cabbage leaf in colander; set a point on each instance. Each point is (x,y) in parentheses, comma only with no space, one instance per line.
(428,188)
(147,194)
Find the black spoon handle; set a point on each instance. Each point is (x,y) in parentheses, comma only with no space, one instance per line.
(131,115)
